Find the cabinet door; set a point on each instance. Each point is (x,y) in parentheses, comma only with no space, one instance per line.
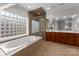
(77,39)
(71,38)
(58,37)
(50,36)
(63,37)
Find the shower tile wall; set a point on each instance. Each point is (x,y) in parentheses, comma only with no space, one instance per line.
(11,25)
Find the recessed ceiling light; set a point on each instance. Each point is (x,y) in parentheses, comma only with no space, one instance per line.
(64,16)
(29,6)
(48,8)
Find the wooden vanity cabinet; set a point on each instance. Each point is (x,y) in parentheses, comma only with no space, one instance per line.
(50,36)
(61,37)
(71,38)
(77,39)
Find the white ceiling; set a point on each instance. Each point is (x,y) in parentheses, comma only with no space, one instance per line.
(56,9)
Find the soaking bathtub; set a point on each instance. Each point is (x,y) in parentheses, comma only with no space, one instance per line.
(11,47)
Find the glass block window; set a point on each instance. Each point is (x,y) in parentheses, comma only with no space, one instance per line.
(12,24)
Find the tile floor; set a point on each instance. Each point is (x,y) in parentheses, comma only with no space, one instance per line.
(48,48)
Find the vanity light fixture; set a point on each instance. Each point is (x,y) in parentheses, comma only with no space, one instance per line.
(64,16)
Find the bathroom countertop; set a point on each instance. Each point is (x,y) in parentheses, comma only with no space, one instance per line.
(62,31)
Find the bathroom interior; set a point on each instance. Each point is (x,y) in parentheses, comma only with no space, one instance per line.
(39,29)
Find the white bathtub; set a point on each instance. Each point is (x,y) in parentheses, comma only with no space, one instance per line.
(11,47)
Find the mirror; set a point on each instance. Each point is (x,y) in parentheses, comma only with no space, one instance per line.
(60,24)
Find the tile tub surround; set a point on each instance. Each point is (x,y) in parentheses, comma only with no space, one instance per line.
(13,50)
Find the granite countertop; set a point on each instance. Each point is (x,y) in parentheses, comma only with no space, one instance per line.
(62,31)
